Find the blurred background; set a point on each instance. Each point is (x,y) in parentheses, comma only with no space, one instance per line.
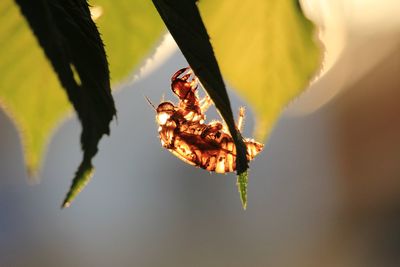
(324,192)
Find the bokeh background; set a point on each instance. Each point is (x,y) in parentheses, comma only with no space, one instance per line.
(324,192)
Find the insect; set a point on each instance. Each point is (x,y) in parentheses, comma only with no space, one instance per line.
(183,131)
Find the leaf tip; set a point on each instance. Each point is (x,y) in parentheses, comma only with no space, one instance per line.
(33,162)
(33,176)
(65,204)
(81,179)
(242,180)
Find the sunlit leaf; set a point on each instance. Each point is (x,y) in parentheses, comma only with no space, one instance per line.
(130,30)
(72,43)
(29,89)
(266,50)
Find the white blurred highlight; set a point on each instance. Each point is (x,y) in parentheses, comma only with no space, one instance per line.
(96,12)
(329,17)
(162,53)
(357,35)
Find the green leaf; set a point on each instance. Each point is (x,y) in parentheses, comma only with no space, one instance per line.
(130,30)
(183,20)
(82,178)
(266,51)
(72,43)
(242,181)
(29,89)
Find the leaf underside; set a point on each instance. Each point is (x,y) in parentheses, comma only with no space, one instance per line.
(183,20)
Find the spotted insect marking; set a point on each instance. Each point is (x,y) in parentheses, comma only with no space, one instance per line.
(183,131)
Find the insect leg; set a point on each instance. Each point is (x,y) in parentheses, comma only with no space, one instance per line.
(194,83)
(179,72)
(240,119)
(205,104)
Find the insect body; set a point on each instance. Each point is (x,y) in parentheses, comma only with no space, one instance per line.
(183,131)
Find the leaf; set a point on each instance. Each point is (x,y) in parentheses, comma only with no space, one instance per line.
(183,20)
(266,51)
(29,90)
(82,178)
(242,181)
(130,30)
(72,43)
(126,58)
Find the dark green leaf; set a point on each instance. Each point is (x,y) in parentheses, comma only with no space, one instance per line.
(72,43)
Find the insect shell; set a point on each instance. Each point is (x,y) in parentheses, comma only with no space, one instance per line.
(184,133)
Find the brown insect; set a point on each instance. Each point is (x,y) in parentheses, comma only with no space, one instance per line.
(183,131)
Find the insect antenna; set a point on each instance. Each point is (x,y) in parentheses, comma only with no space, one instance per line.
(148,100)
